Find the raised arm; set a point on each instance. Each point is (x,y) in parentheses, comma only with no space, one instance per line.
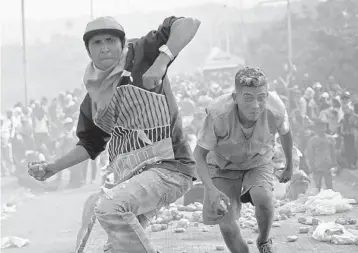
(175,33)
(161,47)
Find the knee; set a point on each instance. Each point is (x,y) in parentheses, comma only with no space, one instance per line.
(262,197)
(104,206)
(229,227)
(116,204)
(228,224)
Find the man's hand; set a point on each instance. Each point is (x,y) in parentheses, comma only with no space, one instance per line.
(154,75)
(219,201)
(41,170)
(287,173)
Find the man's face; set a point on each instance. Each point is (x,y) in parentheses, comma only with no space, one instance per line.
(104,50)
(251,101)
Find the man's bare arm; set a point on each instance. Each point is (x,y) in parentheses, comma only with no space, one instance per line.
(181,33)
(74,157)
(203,168)
(287,145)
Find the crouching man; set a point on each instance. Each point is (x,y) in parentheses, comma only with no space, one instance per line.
(130,105)
(234,157)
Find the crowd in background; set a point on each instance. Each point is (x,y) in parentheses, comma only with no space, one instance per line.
(47,129)
(43,130)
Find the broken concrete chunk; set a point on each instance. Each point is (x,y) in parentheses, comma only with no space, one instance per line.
(316,221)
(205,229)
(292,238)
(196,216)
(179,230)
(190,208)
(220,248)
(156,227)
(303,230)
(276,225)
(250,241)
(183,223)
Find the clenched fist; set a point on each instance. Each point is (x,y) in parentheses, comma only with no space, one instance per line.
(41,170)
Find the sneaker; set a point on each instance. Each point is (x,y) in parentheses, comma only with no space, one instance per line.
(265,247)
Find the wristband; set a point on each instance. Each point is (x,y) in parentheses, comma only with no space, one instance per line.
(165,49)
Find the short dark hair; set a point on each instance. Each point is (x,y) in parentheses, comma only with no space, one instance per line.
(250,77)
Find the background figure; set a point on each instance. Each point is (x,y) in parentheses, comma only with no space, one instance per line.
(321,156)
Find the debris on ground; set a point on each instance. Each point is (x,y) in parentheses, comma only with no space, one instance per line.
(334,233)
(17,198)
(292,238)
(306,207)
(13,242)
(220,248)
(303,230)
(346,221)
(179,230)
(327,202)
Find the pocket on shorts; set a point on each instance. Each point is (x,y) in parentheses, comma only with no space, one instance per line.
(175,183)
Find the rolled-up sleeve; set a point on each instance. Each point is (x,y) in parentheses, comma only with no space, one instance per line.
(91,137)
(207,137)
(156,38)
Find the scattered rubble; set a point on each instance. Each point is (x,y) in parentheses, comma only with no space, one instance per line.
(16,199)
(250,241)
(220,248)
(303,230)
(334,233)
(307,208)
(179,230)
(13,242)
(292,238)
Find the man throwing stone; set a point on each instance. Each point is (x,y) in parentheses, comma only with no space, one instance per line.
(130,106)
(234,157)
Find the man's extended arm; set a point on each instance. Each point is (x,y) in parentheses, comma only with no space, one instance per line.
(182,31)
(92,140)
(285,132)
(77,155)
(203,168)
(207,140)
(287,145)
